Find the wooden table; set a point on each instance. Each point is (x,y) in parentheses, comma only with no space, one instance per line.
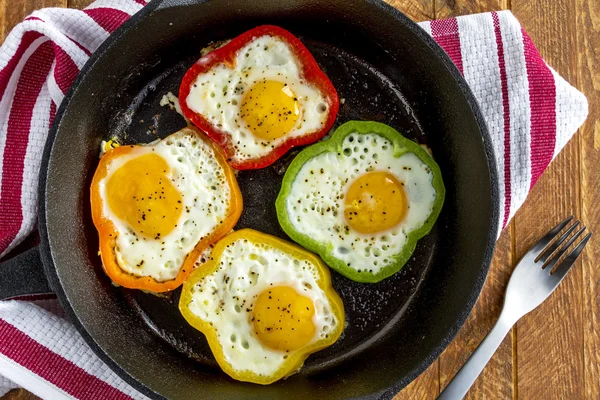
(554,352)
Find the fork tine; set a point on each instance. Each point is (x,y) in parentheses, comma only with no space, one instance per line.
(568,262)
(544,255)
(544,241)
(556,256)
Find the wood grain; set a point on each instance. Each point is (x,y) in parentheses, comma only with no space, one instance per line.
(453,8)
(550,339)
(588,60)
(418,10)
(12,12)
(496,379)
(425,387)
(79,3)
(19,394)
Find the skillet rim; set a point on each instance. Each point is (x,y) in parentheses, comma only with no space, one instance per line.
(391,391)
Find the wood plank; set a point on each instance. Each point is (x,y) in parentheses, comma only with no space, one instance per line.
(19,394)
(426,385)
(453,8)
(588,49)
(12,12)
(79,3)
(496,380)
(418,10)
(550,339)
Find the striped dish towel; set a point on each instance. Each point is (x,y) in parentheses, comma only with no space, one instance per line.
(531,113)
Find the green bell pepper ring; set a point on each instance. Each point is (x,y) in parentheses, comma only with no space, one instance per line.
(401,146)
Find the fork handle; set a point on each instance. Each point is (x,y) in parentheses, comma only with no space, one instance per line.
(464,379)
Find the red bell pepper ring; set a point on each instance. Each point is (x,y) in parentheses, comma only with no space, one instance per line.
(310,71)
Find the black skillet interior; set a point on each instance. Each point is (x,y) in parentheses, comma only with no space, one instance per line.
(383,69)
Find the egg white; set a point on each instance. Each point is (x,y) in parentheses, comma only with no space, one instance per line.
(218,93)
(226,298)
(206,200)
(315,204)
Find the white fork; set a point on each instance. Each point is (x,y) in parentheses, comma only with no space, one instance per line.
(530,284)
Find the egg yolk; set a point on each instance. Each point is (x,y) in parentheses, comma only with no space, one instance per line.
(283,318)
(270,109)
(141,194)
(375,202)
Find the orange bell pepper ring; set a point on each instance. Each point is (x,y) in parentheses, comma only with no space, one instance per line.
(145,171)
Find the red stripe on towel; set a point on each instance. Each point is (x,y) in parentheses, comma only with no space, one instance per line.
(28,38)
(506,111)
(445,32)
(57,370)
(108,18)
(542,99)
(27,91)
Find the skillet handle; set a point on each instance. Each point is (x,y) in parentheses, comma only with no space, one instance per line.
(23,275)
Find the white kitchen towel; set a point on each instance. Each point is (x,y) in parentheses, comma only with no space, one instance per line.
(531,113)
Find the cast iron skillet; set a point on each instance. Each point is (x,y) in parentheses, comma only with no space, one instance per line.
(386,69)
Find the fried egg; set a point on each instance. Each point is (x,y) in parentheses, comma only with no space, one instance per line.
(264,305)
(155,204)
(363,204)
(261,99)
